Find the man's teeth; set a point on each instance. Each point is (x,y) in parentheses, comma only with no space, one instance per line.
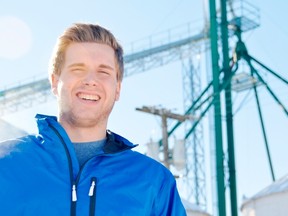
(89,97)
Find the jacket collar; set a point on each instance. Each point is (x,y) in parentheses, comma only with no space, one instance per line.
(114,144)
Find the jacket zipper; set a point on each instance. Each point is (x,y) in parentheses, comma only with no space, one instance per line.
(92,194)
(73,183)
(92,191)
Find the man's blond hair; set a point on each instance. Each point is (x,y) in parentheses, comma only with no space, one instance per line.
(80,33)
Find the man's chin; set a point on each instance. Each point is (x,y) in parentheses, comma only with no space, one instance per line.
(82,119)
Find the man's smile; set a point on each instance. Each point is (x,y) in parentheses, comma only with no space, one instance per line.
(90,97)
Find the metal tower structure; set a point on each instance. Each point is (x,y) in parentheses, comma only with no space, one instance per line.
(24,95)
(225,67)
(195,150)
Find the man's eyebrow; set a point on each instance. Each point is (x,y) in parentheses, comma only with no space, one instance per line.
(102,66)
(106,67)
(76,65)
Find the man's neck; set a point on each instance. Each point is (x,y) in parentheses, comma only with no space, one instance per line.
(85,134)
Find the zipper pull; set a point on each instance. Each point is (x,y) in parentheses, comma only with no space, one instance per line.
(91,190)
(74,193)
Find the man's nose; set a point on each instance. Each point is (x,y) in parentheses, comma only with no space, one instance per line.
(90,79)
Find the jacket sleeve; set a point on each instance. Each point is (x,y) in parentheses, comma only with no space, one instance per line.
(168,201)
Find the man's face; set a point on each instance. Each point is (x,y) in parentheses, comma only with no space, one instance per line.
(87,87)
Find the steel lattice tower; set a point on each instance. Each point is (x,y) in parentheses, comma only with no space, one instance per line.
(195,151)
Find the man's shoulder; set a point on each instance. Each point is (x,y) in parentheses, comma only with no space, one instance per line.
(12,146)
(145,162)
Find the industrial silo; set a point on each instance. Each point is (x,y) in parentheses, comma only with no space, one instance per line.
(271,201)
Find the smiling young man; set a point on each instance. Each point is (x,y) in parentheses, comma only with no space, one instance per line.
(75,166)
(87,89)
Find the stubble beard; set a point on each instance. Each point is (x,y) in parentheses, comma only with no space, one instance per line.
(82,119)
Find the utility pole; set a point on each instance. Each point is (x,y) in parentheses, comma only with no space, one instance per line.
(164,114)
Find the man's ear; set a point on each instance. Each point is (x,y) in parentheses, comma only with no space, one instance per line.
(54,83)
(118,89)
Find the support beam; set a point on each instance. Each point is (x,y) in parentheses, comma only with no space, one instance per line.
(220,183)
(229,110)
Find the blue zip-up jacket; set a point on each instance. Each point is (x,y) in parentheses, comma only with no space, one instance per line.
(40,175)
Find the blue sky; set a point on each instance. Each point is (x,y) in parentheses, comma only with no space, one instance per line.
(38,24)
